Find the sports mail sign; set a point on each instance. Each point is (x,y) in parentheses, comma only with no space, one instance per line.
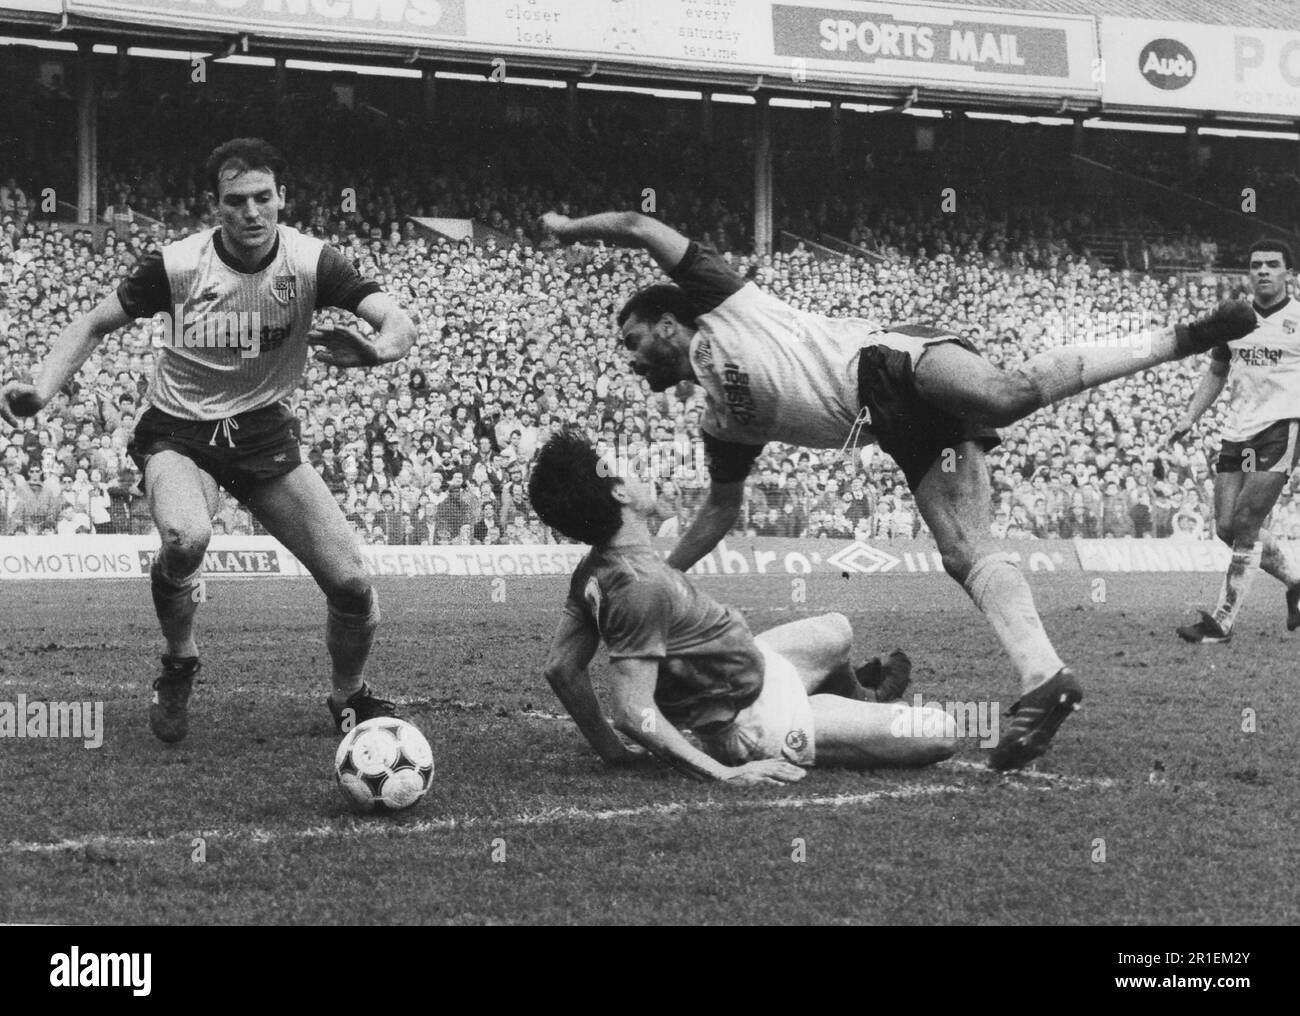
(952,47)
(1203,68)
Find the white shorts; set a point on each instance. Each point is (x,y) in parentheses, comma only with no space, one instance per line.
(777,724)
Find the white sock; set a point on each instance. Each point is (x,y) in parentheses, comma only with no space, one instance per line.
(1068,370)
(1002,594)
(1241,572)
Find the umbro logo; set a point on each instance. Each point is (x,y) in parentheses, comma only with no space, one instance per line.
(282,457)
(862,558)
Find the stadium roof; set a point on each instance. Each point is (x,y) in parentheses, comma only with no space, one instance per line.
(1246,13)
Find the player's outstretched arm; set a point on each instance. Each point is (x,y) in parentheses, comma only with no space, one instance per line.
(627,229)
(637,716)
(71,349)
(566,671)
(715,519)
(394,336)
(1212,382)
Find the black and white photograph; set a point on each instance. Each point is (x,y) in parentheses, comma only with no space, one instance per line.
(652,462)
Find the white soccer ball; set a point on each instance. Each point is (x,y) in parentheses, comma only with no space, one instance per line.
(384,764)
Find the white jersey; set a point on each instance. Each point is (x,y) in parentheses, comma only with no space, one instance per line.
(236,340)
(772,372)
(775,373)
(1264,373)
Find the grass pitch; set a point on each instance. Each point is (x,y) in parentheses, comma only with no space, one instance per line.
(1157,804)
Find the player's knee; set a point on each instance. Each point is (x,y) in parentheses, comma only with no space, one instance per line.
(1013,397)
(958,559)
(352,595)
(840,631)
(183,546)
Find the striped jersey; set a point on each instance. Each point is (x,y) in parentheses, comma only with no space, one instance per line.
(710,667)
(1264,372)
(235,339)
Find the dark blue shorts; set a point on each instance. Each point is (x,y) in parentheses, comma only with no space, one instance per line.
(238,453)
(913,432)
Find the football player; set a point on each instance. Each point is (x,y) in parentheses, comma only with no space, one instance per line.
(771,372)
(1260,442)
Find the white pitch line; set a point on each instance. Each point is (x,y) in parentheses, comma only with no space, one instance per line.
(553,816)
(1059,779)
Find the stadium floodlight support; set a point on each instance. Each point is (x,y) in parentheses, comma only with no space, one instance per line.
(87,137)
(763,177)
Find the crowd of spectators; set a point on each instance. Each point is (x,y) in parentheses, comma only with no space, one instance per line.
(517,338)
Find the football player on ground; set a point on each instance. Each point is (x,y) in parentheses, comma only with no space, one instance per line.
(762,706)
(771,372)
(1260,442)
(219,413)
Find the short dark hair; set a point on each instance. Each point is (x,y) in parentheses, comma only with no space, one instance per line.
(1288,260)
(571,492)
(654,302)
(244,154)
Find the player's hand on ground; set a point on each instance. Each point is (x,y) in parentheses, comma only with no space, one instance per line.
(17,400)
(552,223)
(766,770)
(340,346)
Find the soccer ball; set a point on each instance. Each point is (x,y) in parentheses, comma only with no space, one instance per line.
(383,764)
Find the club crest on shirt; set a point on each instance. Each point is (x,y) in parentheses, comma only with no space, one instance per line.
(796,740)
(284,288)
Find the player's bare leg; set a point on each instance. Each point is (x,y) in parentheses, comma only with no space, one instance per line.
(821,649)
(299,511)
(956,506)
(182,499)
(967,385)
(864,735)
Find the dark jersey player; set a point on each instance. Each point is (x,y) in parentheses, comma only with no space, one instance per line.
(762,707)
(771,372)
(240,299)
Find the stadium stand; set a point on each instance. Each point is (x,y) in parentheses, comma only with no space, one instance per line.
(517,338)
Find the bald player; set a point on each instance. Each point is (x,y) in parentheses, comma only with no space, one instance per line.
(238,300)
(1260,442)
(771,372)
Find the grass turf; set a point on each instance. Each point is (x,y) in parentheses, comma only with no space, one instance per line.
(523,824)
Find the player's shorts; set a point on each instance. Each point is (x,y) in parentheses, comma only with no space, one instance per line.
(1274,449)
(914,432)
(777,724)
(238,453)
